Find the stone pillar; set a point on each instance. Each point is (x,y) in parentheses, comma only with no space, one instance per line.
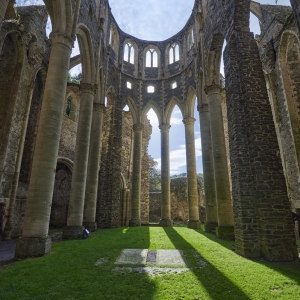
(3,7)
(74,227)
(296,8)
(193,199)
(225,227)
(165,177)
(260,201)
(136,176)
(90,202)
(35,240)
(208,170)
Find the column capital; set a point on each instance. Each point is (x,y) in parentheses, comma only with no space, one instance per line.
(203,108)
(213,89)
(99,107)
(164,127)
(189,120)
(138,127)
(88,88)
(61,38)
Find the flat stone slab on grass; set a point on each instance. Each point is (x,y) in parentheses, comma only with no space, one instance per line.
(132,256)
(174,258)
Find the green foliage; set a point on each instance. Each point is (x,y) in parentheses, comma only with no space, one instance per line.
(155,176)
(74,78)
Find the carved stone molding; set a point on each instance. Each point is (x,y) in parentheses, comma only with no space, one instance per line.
(213,89)
(138,127)
(59,37)
(99,107)
(88,88)
(189,120)
(164,127)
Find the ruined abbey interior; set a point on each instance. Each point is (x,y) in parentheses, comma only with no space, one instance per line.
(72,157)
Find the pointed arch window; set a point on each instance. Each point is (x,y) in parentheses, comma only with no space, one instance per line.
(129,53)
(190,39)
(151,58)
(174,53)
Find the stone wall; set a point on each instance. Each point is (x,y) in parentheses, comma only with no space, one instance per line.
(179,202)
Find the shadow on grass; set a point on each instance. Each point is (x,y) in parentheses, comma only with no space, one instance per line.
(70,271)
(288,269)
(216,283)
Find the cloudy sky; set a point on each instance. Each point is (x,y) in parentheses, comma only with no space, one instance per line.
(159,20)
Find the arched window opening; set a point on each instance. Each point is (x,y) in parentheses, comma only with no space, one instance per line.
(174,53)
(151,58)
(105,102)
(173,85)
(69,106)
(129,53)
(129,85)
(126,108)
(150,89)
(190,39)
(113,39)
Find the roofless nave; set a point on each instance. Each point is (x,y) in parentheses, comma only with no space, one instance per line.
(47,125)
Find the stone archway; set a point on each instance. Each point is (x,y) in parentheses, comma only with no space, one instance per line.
(61,196)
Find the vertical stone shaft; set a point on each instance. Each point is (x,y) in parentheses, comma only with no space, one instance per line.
(262,214)
(194,221)
(208,170)
(38,206)
(136,176)
(90,202)
(75,215)
(225,211)
(165,177)
(296,8)
(3,7)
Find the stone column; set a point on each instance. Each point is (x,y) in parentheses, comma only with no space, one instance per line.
(74,227)
(90,202)
(296,8)
(193,199)
(136,176)
(208,170)
(165,177)
(3,7)
(35,240)
(225,227)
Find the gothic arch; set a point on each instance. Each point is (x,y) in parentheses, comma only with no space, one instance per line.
(169,109)
(189,106)
(214,59)
(148,106)
(133,110)
(87,54)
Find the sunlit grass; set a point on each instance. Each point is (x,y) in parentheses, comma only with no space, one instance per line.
(69,272)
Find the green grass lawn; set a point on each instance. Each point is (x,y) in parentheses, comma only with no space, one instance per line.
(69,272)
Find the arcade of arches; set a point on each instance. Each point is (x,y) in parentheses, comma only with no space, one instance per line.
(71,156)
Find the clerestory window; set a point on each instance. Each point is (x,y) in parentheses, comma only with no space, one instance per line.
(129,53)
(174,53)
(151,58)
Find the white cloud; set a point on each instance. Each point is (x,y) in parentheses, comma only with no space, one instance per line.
(176,121)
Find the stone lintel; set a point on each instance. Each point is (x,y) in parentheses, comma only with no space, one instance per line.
(32,246)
